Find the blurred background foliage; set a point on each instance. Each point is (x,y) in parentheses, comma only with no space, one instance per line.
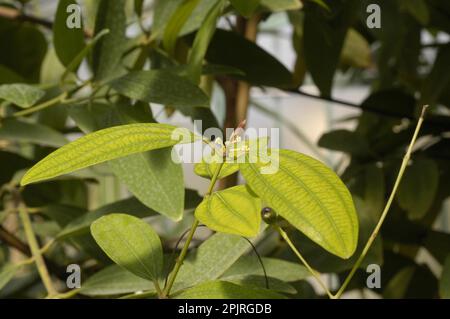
(64,91)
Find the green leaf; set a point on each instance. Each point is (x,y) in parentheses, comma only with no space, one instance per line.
(226,290)
(418,9)
(438,80)
(245,7)
(153,177)
(324,37)
(73,65)
(391,102)
(275,268)
(23,48)
(109,50)
(211,259)
(231,49)
(444,285)
(18,131)
(356,50)
(234,210)
(255,281)
(68,42)
(346,141)
(21,94)
(130,243)
(163,87)
(105,145)
(374,192)
(7,272)
(81,225)
(114,280)
(310,196)
(176,23)
(281,5)
(418,188)
(209,165)
(201,42)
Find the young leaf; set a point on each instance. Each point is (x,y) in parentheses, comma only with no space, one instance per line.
(22,95)
(311,197)
(163,87)
(226,290)
(130,243)
(417,191)
(114,280)
(233,211)
(108,51)
(105,145)
(245,7)
(201,42)
(15,130)
(176,23)
(68,41)
(209,164)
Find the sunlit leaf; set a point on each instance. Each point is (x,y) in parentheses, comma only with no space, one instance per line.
(234,210)
(105,145)
(310,196)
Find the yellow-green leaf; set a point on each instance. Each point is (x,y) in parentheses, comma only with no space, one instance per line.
(310,196)
(209,165)
(131,243)
(22,95)
(234,211)
(105,145)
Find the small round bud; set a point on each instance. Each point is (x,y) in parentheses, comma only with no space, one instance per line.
(268,215)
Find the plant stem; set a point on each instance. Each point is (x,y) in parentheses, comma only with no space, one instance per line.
(303,260)
(34,246)
(42,106)
(180,259)
(386,208)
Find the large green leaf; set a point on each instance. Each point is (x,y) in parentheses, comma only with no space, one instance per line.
(438,79)
(23,49)
(255,281)
(310,196)
(105,145)
(163,87)
(324,37)
(109,50)
(68,42)
(115,280)
(260,68)
(226,290)
(234,211)
(211,259)
(444,286)
(19,131)
(153,177)
(21,94)
(130,243)
(418,188)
